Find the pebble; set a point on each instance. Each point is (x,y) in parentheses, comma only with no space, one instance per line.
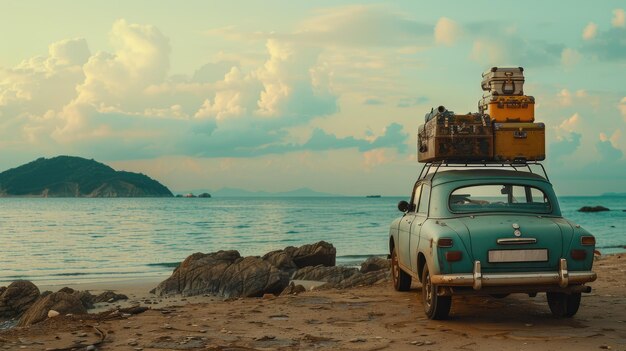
(52,313)
(605,347)
(358,340)
(90,348)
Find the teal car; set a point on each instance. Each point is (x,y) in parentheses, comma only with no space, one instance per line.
(492,232)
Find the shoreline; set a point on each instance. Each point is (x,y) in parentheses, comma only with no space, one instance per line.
(364,318)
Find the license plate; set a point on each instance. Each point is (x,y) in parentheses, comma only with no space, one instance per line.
(536,255)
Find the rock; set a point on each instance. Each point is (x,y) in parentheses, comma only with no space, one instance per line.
(85,298)
(61,302)
(226,274)
(2,289)
(293,289)
(109,296)
(282,260)
(375,263)
(17,298)
(53,313)
(67,290)
(593,209)
(320,253)
(363,279)
(324,274)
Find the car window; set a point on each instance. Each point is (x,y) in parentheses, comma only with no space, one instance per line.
(423,205)
(499,197)
(416,197)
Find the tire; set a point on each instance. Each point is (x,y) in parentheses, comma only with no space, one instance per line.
(563,305)
(435,307)
(400,279)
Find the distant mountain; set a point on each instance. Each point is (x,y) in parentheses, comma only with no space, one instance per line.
(302,192)
(614,194)
(68,176)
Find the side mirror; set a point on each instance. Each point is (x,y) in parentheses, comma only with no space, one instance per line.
(403,206)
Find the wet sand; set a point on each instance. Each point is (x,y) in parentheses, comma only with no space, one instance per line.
(368,318)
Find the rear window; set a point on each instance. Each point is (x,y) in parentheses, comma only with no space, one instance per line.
(499,198)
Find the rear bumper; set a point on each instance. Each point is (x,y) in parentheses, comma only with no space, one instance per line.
(561,278)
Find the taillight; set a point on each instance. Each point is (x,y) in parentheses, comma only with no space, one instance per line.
(579,255)
(453,256)
(444,242)
(587,240)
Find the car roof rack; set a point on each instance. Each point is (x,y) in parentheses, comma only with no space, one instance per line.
(517,165)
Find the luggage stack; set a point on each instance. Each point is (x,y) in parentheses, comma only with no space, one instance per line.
(503,130)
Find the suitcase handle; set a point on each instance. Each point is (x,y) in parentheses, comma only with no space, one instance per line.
(504,85)
(519,134)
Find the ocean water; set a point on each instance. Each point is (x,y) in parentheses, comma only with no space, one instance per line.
(55,241)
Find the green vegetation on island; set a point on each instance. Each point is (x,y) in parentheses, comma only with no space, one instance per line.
(68,176)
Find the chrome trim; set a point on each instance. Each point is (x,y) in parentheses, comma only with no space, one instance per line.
(561,278)
(478,276)
(563,274)
(516,241)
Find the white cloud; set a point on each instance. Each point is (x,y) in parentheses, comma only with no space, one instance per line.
(619,18)
(570,57)
(447,31)
(590,31)
(570,124)
(565,97)
(622,107)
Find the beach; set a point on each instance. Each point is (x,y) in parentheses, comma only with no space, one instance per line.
(363,318)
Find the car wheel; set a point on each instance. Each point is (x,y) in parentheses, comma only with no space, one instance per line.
(436,307)
(401,280)
(562,304)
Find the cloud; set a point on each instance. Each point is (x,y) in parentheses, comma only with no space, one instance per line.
(447,31)
(373,101)
(392,137)
(570,124)
(496,46)
(347,26)
(619,18)
(622,107)
(570,57)
(410,102)
(608,152)
(564,97)
(564,146)
(607,45)
(590,31)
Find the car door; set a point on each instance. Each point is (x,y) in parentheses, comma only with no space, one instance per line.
(404,232)
(421,215)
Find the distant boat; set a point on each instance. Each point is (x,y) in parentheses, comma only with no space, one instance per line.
(376,196)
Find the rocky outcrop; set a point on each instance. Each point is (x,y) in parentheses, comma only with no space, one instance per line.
(281,259)
(18,297)
(375,263)
(363,279)
(224,273)
(593,209)
(60,302)
(320,253)
(293,289)
(325,274)
(109,296)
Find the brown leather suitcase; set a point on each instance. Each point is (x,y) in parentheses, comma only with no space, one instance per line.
(519,142)
(455,138)
(508,108)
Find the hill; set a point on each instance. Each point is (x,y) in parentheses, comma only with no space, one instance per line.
(68,176)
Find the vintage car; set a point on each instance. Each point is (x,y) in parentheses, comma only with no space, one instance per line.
(492,232)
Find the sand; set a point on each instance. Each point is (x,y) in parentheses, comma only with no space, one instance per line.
(367,318)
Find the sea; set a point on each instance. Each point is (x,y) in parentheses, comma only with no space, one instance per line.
(53,241)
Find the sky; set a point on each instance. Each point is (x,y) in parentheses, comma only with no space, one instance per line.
(279,95)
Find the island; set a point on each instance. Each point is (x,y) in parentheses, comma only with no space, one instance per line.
(69,176)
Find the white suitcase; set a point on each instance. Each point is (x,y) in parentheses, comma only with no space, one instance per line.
(503,81)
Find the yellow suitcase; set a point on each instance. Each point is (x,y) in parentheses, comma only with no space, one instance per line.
(519,142)
(508,108)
